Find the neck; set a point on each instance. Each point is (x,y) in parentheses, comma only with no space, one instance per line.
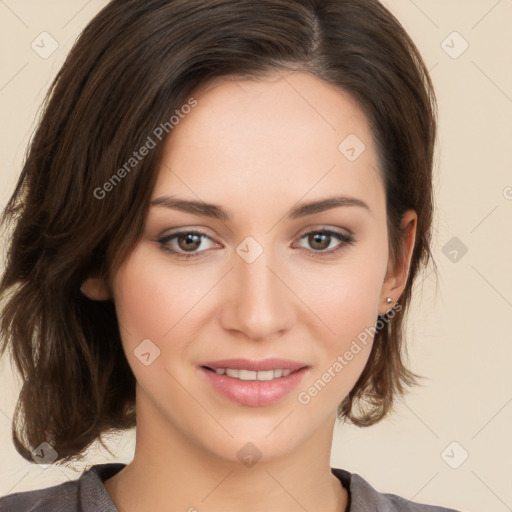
(170,472)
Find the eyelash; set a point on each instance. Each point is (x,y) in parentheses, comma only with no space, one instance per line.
(344,239)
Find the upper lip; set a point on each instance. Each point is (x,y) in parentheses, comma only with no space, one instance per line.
(254,365)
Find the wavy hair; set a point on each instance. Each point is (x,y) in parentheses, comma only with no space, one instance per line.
(131,68)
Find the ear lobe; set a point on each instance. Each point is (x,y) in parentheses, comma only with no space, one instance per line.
(397,274)
(95,289)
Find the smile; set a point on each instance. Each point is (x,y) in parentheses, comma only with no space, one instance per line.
(252,375)
(253,388)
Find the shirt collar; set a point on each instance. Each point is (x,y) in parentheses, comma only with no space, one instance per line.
(93,495)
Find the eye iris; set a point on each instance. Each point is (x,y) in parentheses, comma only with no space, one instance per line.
(193,241)
(319,239)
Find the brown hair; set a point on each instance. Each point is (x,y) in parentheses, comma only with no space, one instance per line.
(132,67)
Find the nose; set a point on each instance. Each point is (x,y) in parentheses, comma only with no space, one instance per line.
(258,301)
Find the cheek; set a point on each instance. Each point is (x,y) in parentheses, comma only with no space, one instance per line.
(152,298)
(342,348)
(138,307)
(346,301)
(161,311)
(346,296)
(146,309)
(153,304)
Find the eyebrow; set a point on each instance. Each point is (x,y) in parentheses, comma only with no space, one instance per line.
(217,212)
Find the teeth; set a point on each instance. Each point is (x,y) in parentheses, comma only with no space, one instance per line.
(252,375)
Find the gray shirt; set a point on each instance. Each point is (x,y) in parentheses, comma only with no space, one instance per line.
(88,494)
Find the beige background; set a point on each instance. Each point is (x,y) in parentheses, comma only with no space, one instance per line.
(459,334)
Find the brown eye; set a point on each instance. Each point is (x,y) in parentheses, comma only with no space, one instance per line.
(320,241)
(185,244)
(189,241)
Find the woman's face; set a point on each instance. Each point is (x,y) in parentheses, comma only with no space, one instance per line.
(267,278)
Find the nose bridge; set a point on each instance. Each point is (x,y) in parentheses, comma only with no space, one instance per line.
(260,304)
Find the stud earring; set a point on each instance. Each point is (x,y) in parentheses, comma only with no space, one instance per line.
(389,300)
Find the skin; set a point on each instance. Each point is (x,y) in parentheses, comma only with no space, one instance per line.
(256,148)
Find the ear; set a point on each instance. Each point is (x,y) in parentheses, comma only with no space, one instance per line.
(398,272)
(95,288)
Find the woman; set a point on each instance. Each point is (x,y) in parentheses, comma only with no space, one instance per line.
(216,233)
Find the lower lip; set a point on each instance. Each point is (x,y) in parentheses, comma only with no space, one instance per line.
(254,393)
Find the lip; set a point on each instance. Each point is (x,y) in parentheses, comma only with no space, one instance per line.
(254,393)
(273,363)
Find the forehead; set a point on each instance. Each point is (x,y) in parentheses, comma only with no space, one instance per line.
(289,132)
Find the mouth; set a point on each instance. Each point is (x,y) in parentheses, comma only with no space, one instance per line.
(250,375)
(254,383)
